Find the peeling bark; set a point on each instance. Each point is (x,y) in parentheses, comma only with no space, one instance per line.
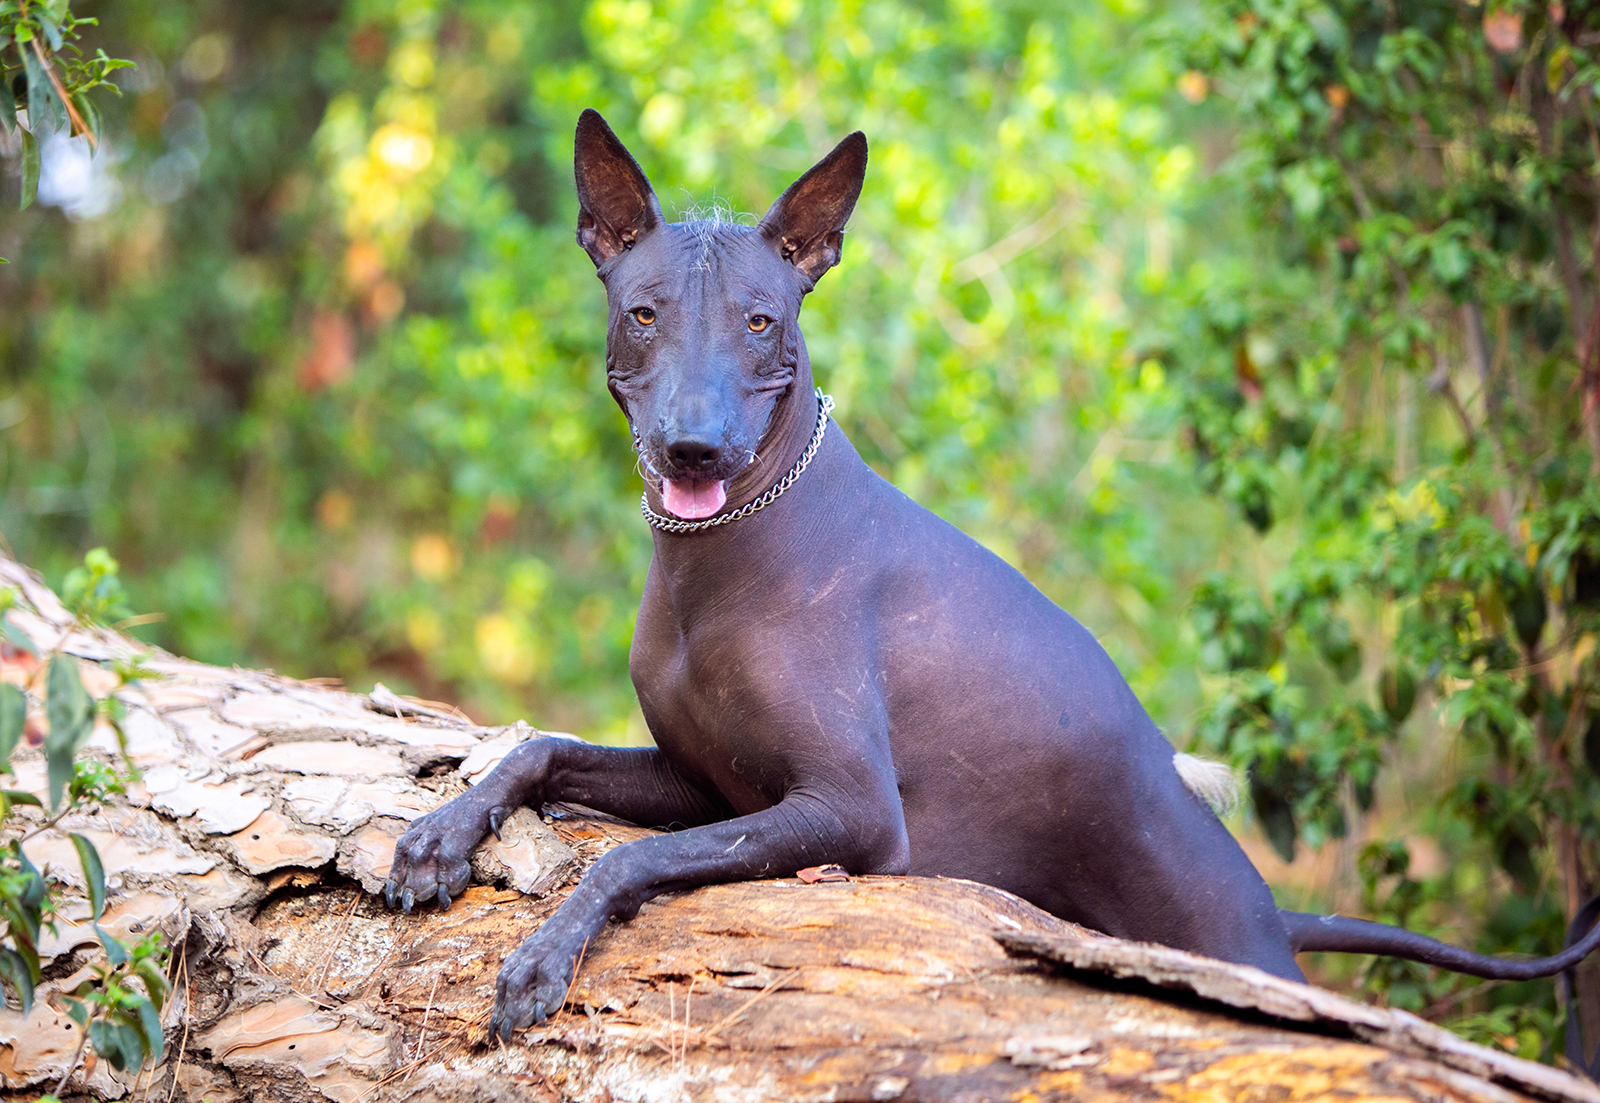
(268,815)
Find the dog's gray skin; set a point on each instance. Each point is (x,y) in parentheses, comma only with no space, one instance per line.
(843,677)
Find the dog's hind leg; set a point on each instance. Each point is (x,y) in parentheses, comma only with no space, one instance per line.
(1206,897)
(1157,865)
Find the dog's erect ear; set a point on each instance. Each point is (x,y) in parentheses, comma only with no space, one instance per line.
(616,206)
(806,224)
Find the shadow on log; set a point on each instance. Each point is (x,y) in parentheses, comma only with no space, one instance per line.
(268,813)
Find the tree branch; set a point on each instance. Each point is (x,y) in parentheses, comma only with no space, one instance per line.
(78,125)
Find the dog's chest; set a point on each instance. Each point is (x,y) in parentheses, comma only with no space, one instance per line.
(703,704)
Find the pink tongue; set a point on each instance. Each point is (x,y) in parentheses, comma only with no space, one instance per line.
(693,500)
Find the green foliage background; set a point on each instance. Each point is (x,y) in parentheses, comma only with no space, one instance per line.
(1154,301)
(217,387)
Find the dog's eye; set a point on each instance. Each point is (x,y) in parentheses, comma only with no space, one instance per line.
(645,316)
(759,322)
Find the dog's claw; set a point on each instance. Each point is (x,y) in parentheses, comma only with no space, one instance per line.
(444,897)
(496,818)
(407,898)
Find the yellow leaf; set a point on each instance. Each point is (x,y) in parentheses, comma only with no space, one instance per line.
(1556,69)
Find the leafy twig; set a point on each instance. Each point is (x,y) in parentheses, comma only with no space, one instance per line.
(78,125)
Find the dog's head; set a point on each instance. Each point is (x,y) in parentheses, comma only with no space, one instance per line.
(704,337)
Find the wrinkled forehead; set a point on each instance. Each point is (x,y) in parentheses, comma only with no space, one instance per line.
(683,258)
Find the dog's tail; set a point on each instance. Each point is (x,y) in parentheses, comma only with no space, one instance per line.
(1308,931)
(1218,785)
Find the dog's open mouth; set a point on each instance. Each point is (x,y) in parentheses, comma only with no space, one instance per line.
(693,499)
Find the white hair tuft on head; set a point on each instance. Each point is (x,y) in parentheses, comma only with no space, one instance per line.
(1213,782)
(718,212)
(706,220)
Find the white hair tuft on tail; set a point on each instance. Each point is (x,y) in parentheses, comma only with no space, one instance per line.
(1213,782)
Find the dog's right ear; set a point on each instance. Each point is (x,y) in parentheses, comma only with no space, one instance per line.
(616,206)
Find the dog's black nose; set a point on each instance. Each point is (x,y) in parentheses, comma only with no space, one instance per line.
(694,453)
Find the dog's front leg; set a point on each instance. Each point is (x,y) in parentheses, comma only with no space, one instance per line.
(632,783)
(806,828)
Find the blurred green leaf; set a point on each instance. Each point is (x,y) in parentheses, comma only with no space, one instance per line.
(150,1028)
(46,113)
(30,168)
(89,113)
(70,712)
(13,712)
(94,876)
(8,101)
(50,21)
(14,971)
(17,638)
(116,952)
(119,1043)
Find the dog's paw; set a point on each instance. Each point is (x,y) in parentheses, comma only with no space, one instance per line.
(533,983)
(430,860)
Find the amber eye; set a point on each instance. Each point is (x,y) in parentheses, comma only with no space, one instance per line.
(759,322)
(645,316)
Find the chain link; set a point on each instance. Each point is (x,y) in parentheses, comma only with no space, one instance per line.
(673,525)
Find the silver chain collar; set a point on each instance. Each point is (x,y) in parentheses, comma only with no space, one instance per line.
(774,492)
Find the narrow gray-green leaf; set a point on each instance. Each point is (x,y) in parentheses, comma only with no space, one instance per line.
(17,796)
(14,971)
(133,1047)
(13,711)
(8,104)
(33,896)
(94,874)
(155,982)
(106,1037)
(46,112)
(15,636)
(71,714)
(116,952)
(30,168)
(91,115)
(150,1021)
(77,1009)
(52,27)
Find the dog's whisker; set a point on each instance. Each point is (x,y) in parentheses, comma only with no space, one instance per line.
(649,475)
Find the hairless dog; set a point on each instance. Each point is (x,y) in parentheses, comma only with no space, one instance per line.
(831,673)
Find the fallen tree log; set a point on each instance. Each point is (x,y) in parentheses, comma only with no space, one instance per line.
(267,816)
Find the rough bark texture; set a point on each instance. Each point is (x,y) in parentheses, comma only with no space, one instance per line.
(268,805)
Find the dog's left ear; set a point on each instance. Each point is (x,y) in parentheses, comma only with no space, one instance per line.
(806,224)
